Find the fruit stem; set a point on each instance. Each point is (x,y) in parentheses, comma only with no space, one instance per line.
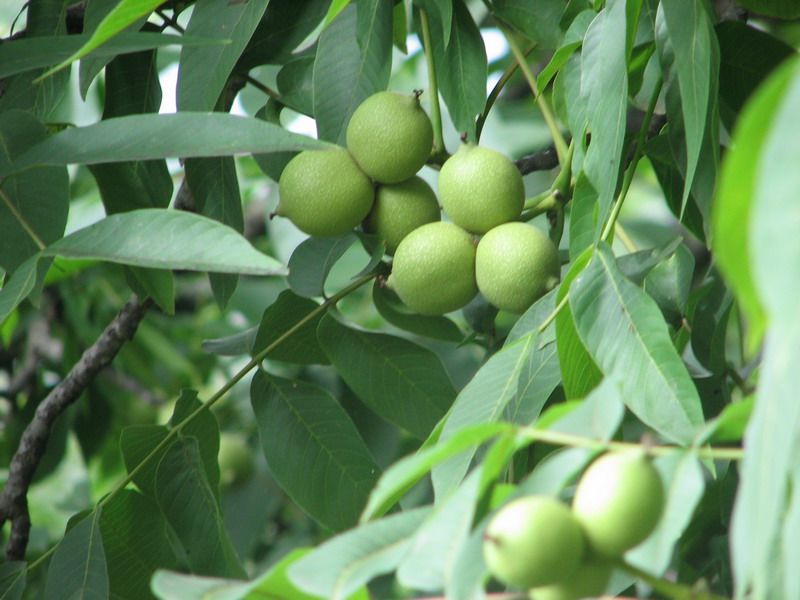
(576,441)
(498,87)
(668,588)
(547,114)
(433,87)
(608,230)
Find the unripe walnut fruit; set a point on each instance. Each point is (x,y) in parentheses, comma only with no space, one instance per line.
(433,271)
(399,209)
(480,188)
(619,501)
(533,541)
(390,136)
(589,581)
(324,193)
(515,265)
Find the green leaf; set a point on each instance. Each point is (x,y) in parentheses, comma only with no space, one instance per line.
(772,451)
(273,584)
(187,500)
(313,449)
(157,284)
(573,39)
(353,61)
(392,309)
(774,211)
(539,377)
(555,472)
(13,578)
(625,333)
(406,472)
(736,202)
(604,87)
(23,91)
(771,457)
(346,562)
(132,87)
(135,541)
(684,484)
(599,415)
(747,56)
(169,585)
(731,424)
(439,538)
(78,566)
(690,32)
(166,239)
(215,190)
(203,71)
(440,14)
(401,381)
(27,54)
(237,344)
(34,204)
(93,64)
(302,346)
(203,428)
(312,261)
(141,137)
(483,400)
(285,25)
(539,21)
(125,13)
(136,443)
(783,9)
(669,284)
(296,84)
(22,283)
(461,66)
(579,372)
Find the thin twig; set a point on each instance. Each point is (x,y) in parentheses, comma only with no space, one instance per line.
(495,93)
(547,114)
(433,86)
(13,498)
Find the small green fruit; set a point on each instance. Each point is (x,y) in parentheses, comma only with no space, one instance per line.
(589,581)
(619,501)
(433,270)
(399,209)
(324,192)
(533,541)
(390,136)
(235,459)
(515,265)
(480,189)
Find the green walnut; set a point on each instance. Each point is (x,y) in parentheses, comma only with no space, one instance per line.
(589,581)
(515,265)
(390,136)
(324,193)
(619,501)
(399,209)
(533,541)
(433,271)
(480,188)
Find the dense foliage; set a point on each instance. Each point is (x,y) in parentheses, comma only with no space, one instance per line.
(198,400)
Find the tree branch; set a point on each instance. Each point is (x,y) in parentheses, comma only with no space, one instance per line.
(547,158)
(13,498)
